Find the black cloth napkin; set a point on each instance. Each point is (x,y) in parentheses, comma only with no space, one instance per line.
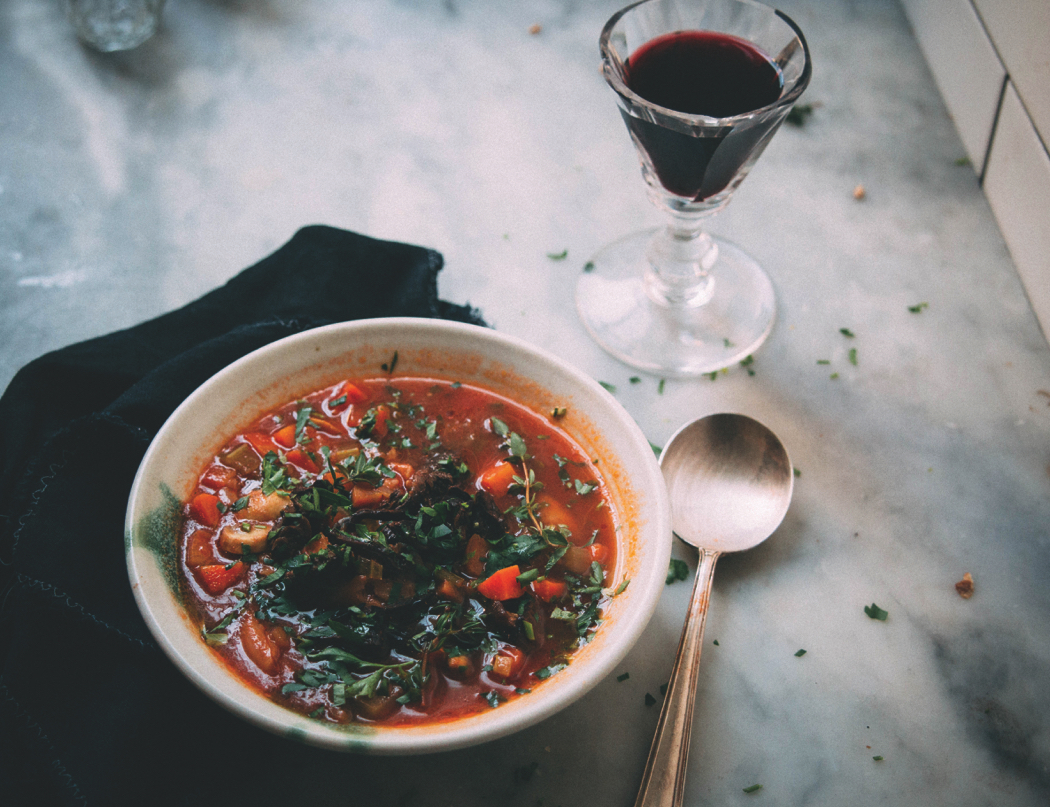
(91,711)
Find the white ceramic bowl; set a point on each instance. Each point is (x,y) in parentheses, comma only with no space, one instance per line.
(277,373)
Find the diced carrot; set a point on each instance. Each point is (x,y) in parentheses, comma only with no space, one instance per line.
(218,477)
(353,393)
(205,508)
(449,590)
(497,479)
(216,577)
(318,544)
(508,661)
(285,436)
(555,514)
(301,459)
(262,443)
(382,416)
(199,549)
(367,496)
(503,585)
(477,550)
(258,645)
(549,590)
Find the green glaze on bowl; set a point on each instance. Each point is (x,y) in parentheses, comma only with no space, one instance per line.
(158,533)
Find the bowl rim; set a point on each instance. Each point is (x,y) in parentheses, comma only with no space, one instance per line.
(556,693)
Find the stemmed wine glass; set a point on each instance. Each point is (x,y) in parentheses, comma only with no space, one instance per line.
(702,86)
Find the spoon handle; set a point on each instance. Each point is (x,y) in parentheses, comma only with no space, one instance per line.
(663,782)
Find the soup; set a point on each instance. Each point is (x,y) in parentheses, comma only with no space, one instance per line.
(398,551)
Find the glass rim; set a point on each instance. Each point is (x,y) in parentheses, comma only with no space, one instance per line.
(612,71)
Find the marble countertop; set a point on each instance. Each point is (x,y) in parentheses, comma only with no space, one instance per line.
(132,183)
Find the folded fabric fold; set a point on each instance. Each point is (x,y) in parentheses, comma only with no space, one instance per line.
(90,709)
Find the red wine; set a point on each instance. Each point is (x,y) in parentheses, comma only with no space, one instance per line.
(702,73)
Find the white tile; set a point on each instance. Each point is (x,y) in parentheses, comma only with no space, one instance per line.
(1017,184)
(1020,30)
(964,64)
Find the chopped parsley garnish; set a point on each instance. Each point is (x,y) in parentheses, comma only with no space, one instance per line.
(649,699)
(798,114)
(589,266)
(623,677)
(800,653)
(847,333)
(752,788)
(853,356)
(917,308)
(610,387)
(677,570)
(660,386)
(875,612)
(558,256)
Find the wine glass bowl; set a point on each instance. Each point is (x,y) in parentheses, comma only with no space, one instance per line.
(702,86)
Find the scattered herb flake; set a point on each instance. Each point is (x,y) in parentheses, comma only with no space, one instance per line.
(752,788)
(712,375)
(847,333)
(589,266)
(853,356)
(917,308)
(635,379)
(656,449)
(677,570)
(621,678)
(715,642)
(823,361)
(660,386)
(558,256)
(649,699)
(798,114)
(833,376)
(610,387)
(962,161)
(240,504)
(796,472)
(800,653)
(878,758)
(620,589)
(875,612)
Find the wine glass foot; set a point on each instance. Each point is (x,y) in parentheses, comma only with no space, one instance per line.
(676,341)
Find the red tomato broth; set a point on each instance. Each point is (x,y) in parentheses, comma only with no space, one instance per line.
(464,418)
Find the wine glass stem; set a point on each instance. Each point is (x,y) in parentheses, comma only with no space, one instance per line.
(680,258)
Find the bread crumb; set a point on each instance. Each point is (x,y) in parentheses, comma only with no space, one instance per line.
(535,29)
(965,586)
(859,193)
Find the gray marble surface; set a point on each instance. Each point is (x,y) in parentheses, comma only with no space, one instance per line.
(132,183)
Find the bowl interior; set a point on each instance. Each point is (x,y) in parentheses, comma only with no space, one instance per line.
(277,373)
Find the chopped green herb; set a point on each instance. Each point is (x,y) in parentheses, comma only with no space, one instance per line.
(853,356)
(962,161)
(875,612)
(635,379)
(752,788)
(583,488)
(649,699)
(677,570)
(620,589)
(338,401)
(663,690)
(833,376)
(608,386)
(715,642)
(589,266)
(712,375)
(240,504)
(878,758)
(823,361)
(746,363)
(493,698)
(622,678)
(917,308)
(796,472)
(798,114)
(660,386)
(656,449)
(558,256)
(847,333)
(800,653)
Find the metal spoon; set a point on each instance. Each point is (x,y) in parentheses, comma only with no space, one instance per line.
(730,481)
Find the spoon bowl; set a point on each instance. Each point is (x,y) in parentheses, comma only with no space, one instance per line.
(730,481)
